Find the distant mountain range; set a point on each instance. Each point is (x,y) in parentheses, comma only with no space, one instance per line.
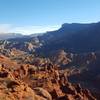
(76,38)
(4,36)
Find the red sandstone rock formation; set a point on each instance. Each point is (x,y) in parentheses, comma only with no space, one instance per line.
(47,83)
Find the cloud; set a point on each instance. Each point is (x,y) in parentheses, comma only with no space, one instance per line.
(26,30)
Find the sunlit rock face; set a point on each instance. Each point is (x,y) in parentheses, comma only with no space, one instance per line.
(40,81)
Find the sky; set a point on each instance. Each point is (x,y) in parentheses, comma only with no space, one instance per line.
(38,16)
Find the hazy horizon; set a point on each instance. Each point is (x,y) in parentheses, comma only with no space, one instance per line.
(39,16)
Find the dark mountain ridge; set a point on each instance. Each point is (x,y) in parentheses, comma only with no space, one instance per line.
(76,38)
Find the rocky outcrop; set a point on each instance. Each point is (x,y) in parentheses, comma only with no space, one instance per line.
(60,58)
(41,81)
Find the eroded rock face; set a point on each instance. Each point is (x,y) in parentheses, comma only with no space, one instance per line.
(42,92)
(16,90)
(61,58)
(41,81)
